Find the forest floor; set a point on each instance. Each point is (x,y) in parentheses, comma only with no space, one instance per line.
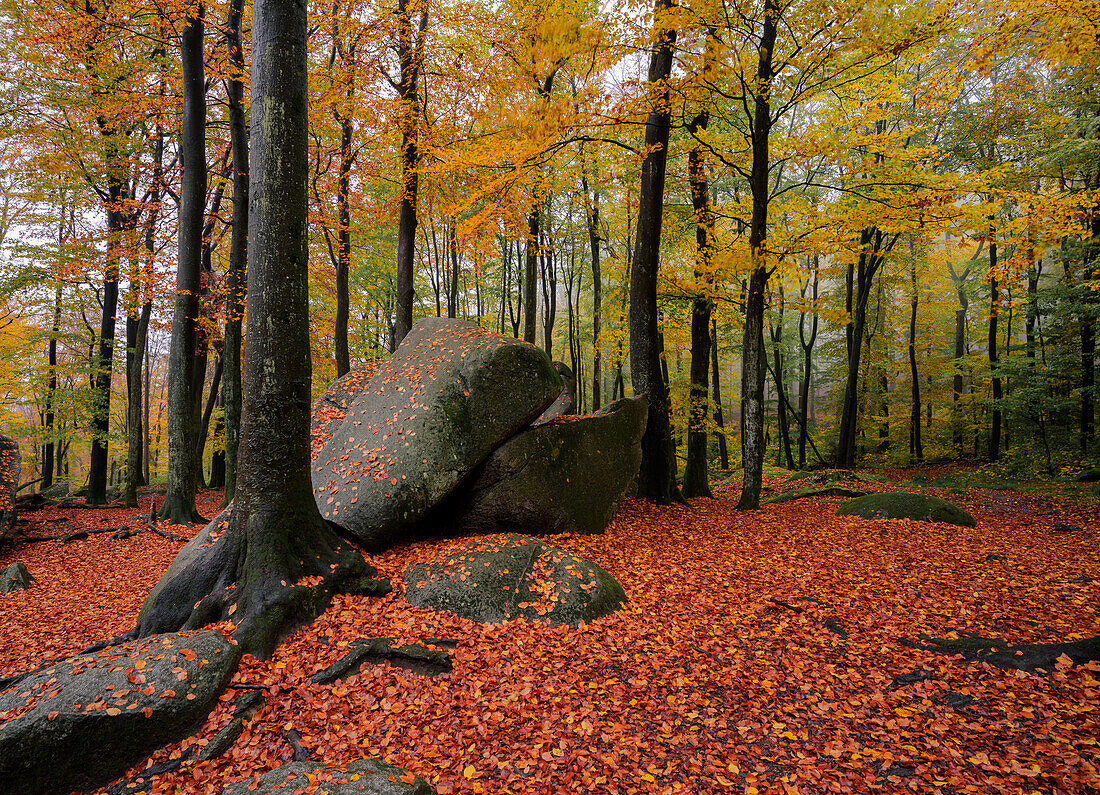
(728,669)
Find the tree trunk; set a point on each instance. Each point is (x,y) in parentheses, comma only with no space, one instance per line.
(874,246)
(51,392)
(179,500)
(719,412)
(916,449)
(807,368)
(1088,344)
(208,412)
(134,431)
(752,359)
(409,59)
(238,253)
(592,219)
(702,305)
(343,245)
(251,564)
(657,475)
(994,311)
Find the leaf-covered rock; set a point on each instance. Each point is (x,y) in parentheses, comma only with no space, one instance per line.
(11,463)
(566,475)
(512,576)
(429,415)
(85,720)
(906,505)
(361,777)
(15,578)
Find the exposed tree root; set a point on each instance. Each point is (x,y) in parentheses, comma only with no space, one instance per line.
(269,573)
(1029,657)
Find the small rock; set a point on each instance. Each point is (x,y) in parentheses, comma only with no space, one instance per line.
(995,558)
(369,776)
(15,578)
(1062,527)
(512,576)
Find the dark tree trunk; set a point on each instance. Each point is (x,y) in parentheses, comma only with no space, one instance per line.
(994,311)
(104,359)
(592,219)
(251,566)
(778,373)
(343,245)
(1088,344)
(135,356)
(960,352)
(657,475)
(530,275)
(874,246)
(807,369)
(452,284)
(753,362)
(409,59)
(179,500)
(51,389)
(702,305)
(916,448)
(719,418)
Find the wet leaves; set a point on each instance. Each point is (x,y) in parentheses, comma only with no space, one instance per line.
(702,683)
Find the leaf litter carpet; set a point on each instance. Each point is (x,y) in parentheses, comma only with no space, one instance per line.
(758,652)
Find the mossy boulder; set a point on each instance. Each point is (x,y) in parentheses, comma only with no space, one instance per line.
(566,475)
(331,409)
(500,578)
(905,505)
(15,578)
(430,414)
(361,777)
(83,722)
(11,464)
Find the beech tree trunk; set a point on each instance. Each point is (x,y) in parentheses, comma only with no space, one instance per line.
(807,368)
(702,305)
(916,448)
(753,363)
(179,500)
(409,49)
(719,418)
(238,253)
(994,311)
(51,389)
(657,475)
(247,565)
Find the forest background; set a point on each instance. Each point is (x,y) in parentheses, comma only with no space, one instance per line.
(818,232)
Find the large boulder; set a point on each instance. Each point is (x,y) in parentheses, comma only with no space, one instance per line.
(512,576)
(567,401)
(15,578)
(369,776)
(11,464)
(566,475)
(331,409)
(86,720)
(448,397)
(905,505)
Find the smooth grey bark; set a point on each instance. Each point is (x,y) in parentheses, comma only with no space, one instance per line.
(249,567)
(179,499)
(657,474)
(719,418)
(238,251)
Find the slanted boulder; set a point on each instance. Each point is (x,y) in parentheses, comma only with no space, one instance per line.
(448,397)
(512,576)
(331,409)
(564,476)
(15,578)
(369,776)
(86,720)
(567,400)
(11,464)
(905,505)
